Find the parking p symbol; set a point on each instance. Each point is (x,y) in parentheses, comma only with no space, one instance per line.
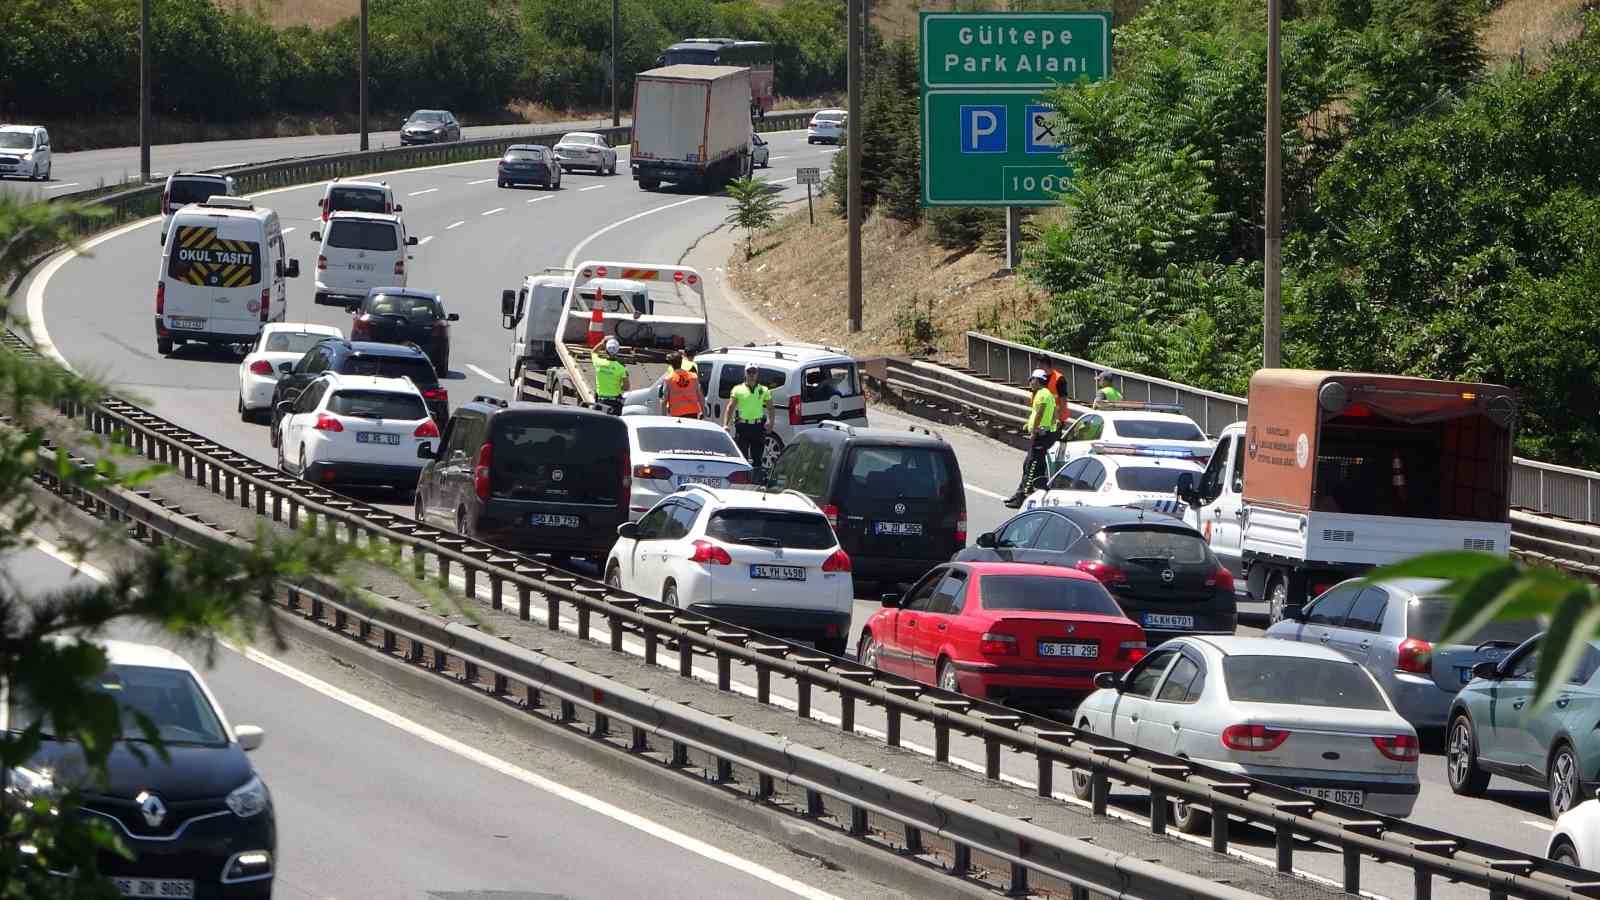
(983,129)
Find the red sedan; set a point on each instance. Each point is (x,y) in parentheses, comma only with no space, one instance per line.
(1009,632)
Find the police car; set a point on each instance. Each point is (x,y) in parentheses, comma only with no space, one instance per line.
(1132,423)
(1140,476)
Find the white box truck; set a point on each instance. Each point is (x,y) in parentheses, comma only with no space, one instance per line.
(691,126)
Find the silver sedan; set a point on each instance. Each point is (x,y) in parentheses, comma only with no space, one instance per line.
(586,150)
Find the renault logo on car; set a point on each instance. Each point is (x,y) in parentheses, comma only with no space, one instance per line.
(557,474)
(154,811)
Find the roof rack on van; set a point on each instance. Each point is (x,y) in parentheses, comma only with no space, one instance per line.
(1138,406)
(220,202)
(810,346)
(492,401)
(845,427)
(925,430)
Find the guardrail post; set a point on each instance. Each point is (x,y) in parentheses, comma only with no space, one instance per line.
(962,863)
(685,658)
(724,670)
(941,741)
(847,712)
(497,588)
(892,732)
(602,725)
(583,622)
(277,507)
(991,757)
(614,625)
(1099,791)
(858,821)
(724,771)
(568,711)
(763,684)
(1421,884)
(764,786)
(552,610)
(444,571)
(913,839)
(802,697)
(814,807)
(651,639)
(639,742)
(471,573)
(1219,835)
(1285,841)
(1352,869)
(1019,880)
(523,599)
(227,486)
(680,755)
(1158,811)
(419,562)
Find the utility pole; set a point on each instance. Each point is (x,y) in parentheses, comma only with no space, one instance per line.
(144,91)
(853,32)
(616,27)
(1272,301)
(363,72)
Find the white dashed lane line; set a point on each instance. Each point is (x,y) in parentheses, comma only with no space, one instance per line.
(454,225)
(421,192)
(481,181)
(497,209)
(776,158)
(61,187)
(482,373)
(289,230)
(596,187)
(537,199)
(421,241)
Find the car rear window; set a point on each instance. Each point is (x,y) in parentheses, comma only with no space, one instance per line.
(1150,479)
(201,256)
(416,368)
(1046,593)
(801,531)
(559,459)
(1299,681)
(888,473)
(403,305)
(524,156)
(1131,543)
(687,440)
(830,117)
(1158,430)
(829,380)
(195,190)
(357,235)
(293,341)
(1426,617)
(369,200)
(377,405)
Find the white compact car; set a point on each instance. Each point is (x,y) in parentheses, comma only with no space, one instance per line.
(356,196)
(1142,477)
(25,151)
(769,562)
(360,251)
(1297,715)
(355,429)
(668,453)
(1156,424)
(827,126)
(586,150)
(278,343)
(1576,839)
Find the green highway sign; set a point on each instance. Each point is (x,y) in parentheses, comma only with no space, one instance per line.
(988,138)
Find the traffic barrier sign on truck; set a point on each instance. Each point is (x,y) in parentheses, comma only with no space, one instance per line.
(552,315)
(691,126)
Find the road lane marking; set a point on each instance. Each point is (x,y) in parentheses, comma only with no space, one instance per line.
(454,225)
(484,374)
(289,230)
(537,199)
(36,327)
(1542,826)
(421,241)
(985,492)
(573,256)
(421,192)
(486,760)
(481,181)
(775,158)
(60,187)
(597,187)
(497,209)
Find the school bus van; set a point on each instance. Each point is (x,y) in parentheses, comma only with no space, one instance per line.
(224,274)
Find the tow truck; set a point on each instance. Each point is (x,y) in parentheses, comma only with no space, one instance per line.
(558,315)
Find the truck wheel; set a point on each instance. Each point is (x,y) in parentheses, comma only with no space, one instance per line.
(1277,597)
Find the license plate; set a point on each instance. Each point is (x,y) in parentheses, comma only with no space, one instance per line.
(708,480)
(190,324)
(155,887)
(781,573)
(376,437)
(554,520)
(363,267)
(911,528)
(1161,620)
(1338,795)
(1075,650)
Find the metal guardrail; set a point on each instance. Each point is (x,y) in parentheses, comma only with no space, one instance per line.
(1542,487)
(1355,833)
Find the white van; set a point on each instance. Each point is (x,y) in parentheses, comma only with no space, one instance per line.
(360,251)
(223,274)
(25,150)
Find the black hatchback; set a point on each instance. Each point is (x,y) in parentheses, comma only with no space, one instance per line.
(396,315)
(528,164)
(1160,571)
(360,358)
(529,477)
(895,498)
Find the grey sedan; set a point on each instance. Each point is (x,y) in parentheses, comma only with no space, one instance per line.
(1394,630)
(586,150)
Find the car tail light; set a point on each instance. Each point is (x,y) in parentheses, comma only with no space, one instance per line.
(166,201)
(266,303)
(1400,748)
(426,429)
(437,393)
(399,267)
(1414,655)
(740,477)
(326,422)
(657,473)
(993,643)
(839,561)
(832,512)
(161,297)
(1221,578)
(795,418)
(360,329)
(710,554)
(322,262)
(1317,589)
(480,470)
(1255,738)
(261,367)
(1132,651)
(961,527)
(1106,573)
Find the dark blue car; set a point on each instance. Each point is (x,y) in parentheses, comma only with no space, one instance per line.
(529,164)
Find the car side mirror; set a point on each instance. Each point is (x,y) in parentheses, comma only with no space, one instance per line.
(294,269)
(411,241)
(284,368)
(284,407)
(986,539)
(1185,489)
(890,601)
(398,208)
(1488,669)
(1108,681)
(249,736)
(629,530)
(453,317)
(316,235)
(352,308)
(508,303)
(425,450)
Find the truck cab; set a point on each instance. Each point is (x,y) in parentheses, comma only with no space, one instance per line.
(1216,508)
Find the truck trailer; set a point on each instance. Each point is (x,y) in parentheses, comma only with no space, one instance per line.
(691,126)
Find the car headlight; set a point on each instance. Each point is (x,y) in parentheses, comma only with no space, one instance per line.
(248,799)
(31,784)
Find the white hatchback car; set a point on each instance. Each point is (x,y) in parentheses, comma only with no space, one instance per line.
(1298,715)
(1156,424)
(586,150)
(827,126)
(357,196)
(360,251)
(355,429)
(1142,477)
(25,151)
(278,343)
(668,453)
(769,562)
(1576,839)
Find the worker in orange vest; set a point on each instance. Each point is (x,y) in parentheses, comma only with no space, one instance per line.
(681,389)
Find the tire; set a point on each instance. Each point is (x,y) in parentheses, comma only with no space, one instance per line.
(1277,597)
(1564,780)
(669,594)
(832,646)
(548,184)
(1461,759)
(613,170)
(614,577)
(244,414)
(502,183)
(867,651)
(1563,852)
(649,184)
(302,473)
(463,526)
(283,464)
(273,438)
(164,346)
(1189,819)
(771,449)
(811,141)
(947,677)
(417,511)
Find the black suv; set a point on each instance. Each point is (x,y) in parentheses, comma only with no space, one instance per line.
(529,477)
(1160,571)
(395,315)
(360,358)
(895,498)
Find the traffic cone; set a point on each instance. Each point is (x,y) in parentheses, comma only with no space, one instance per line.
(597,326)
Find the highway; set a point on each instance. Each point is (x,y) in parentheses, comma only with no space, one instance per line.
(478,239)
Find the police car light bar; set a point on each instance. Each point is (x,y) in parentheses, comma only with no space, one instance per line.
(1138,406)
(1103,448)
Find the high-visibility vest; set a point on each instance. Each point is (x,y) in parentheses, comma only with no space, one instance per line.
(683,394)
(1063,412)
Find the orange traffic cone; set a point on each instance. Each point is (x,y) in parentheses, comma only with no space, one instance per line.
(597,326)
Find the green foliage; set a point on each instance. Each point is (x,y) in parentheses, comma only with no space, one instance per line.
(755,206)
(891,142)
(916,330)
(967,228)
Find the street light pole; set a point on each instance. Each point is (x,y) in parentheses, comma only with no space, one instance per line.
(616,27)
(144,91)
(853,147)
(363,68)
(1272,301)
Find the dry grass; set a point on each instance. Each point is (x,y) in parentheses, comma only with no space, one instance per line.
(283,13)
(796,281)
(1526,30)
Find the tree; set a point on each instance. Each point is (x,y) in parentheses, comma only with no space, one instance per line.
(755,207)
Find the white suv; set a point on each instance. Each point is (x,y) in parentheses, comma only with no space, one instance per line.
(810,384)
(360,251)
(765,561)
(355,429)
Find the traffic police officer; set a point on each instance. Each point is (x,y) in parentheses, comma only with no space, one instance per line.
(1041,432)
(610,376)
(750,406)
(1104,389)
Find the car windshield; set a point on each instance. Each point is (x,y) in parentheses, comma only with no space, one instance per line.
(524,156)
(1158,430)
(378,405)
(16,140)
(1299,681)
(1149,479)
(580,139)
(355,234)
(765,527)
(1426,617)
(827,381)
(559,459)
(293,341)
(170,699)
(891,473)
(416,368)
(830,117)
(708,441)
(406,306)
(369,200)
(195,190)
(1133,543)
(1046,593)
(425,117)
